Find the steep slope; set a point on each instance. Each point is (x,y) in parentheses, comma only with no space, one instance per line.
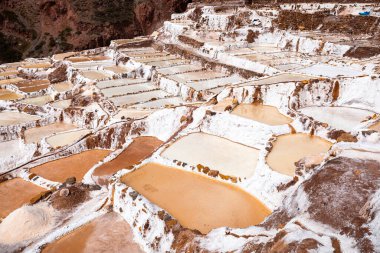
(36,28)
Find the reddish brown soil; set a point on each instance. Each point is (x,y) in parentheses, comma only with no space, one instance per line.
(337,194)
(328,23)
(76,194)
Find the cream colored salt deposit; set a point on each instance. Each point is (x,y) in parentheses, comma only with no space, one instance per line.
(27,222)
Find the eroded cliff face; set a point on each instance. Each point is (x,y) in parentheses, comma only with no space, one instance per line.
(44,27)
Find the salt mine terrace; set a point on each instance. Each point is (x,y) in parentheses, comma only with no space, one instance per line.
(232,128)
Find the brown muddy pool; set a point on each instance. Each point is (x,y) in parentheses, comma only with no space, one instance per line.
(290,148)
(16,192)
(72,166)
(196,201)
(266,114)
(107,233)
(138,150)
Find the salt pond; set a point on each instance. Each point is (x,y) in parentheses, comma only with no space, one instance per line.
(196,201)
(342,118)
(16,192)
(217,153)
(266,114)
(290,148)
(72,166)
(107,233)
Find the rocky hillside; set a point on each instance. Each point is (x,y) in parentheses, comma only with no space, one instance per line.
(33,28)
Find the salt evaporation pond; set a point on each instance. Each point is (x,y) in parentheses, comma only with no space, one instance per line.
(14,118)
(16,192)
(66,138)
(138,150)
(217,153)
(290,148)
(9,95)
(39,101)
(34,135)
(343,118)
(375,127)
(62,104)
(95,75)
(63,86)
(196,201)
(132,113)
(221,105)
(266,114)
(72,166)
(107,233)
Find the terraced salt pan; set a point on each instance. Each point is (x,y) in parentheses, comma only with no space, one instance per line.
(132,113)
(196,76)
(61,57)
(95,75)
(8,73)
(92,65)
(8,148)
(160,103)
(137,98)
(63,139)
(221,106)
(78,59)
(33,85)
(107,233)
(13,118)
(140,149)
(375,127)
(265,48)
(145,50)
(16,192)
(62,104)
(258,57)
(168,63)
(41,65)
(155,59)
(266,114)
(40,101)
(217,153)
(327,70)
(283,78)
(72,166)
(119,82)
(63,86)
(213,83)
(34,135)
(9,95)
(290,148)
(179,69)
(117,69)
(11,81)
(142,55)
(128,89)
(196,201)
(343,118)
